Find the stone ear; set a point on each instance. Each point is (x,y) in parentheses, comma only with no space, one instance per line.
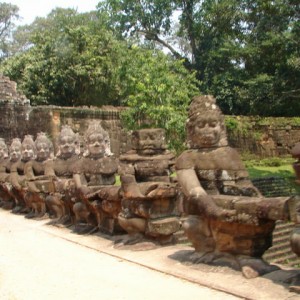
(86,153)
(77,150)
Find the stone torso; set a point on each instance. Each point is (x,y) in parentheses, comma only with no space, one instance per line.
(148,168)
(97,171)
(18,167)
(216,169)
(64,167)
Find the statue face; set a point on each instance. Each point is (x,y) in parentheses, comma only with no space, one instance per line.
(15,152)
(3,150)
(27,152)
(97,144)
(149,141)
(207,132)
(42,150)
(67,145)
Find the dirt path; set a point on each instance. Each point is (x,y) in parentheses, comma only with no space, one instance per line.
(35,264)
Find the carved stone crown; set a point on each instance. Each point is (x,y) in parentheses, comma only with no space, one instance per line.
(28,140)
(203,107)
(66,130)
(16,142)
(95,127)
(42,138)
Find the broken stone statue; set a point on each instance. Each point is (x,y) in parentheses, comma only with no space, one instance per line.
(149,197)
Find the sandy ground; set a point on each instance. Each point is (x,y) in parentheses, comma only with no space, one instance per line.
(39,261)
(35,263)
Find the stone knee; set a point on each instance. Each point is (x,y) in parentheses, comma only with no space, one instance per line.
(81,212)
(53,202)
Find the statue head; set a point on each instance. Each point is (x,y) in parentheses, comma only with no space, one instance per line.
(68,143)
(44,147)
(205,125)
(28,148)
(97,141)
(3,149)
(15,150)
(149,141)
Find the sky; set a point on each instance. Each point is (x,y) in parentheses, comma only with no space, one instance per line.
(30,9)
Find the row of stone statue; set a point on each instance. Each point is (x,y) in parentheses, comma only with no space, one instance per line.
(225,216)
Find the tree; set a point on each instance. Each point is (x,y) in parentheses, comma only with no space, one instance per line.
(246,53)
(157,89)
(73,60)
(271,58)
(150,18)
(210,30)
(67,63)
(8,14)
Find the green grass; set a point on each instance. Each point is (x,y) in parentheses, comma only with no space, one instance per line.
(265,171)
(285,170)
(118,181)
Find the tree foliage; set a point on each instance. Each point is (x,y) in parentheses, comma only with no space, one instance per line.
(67,63)
(74,59)
(246,53)
(157,91)
(8,14)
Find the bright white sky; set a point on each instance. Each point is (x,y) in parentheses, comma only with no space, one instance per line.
(30,9)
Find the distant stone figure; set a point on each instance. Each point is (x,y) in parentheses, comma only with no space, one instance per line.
(38,176)
(227,216)
(17,174)
(95,176)
(14,157)
(61,168)
(296,165)
(149,207)
(4,175)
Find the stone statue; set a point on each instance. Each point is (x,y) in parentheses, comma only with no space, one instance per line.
(38,176)
(61,169)
(296,165)
(149,207)
(295,246)
(4,175)
(14,157)
(94,175)
(17,174)
(227,216)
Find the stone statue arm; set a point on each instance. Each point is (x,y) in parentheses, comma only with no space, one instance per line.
(14,180)
(190,183)
(82,189)
(14,177)
(77,180)
(198,202)
(242,187)
(3,174)
(129,187)
(49,168)
(28,171)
